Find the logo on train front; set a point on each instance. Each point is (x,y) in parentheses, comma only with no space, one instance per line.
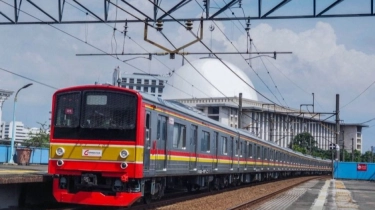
(91,153)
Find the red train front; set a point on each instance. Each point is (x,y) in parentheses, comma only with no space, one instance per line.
(96,151)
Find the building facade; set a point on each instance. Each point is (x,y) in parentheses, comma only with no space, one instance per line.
(277,124)
(152,84)
(205,87)
(21,132)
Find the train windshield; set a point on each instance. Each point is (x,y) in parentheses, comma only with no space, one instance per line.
(96,115)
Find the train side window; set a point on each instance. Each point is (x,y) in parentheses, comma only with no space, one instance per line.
(225,145)
(232,145)
(245,149)
(241,148)
(236,146)
(148,130)
(162,128)
(205,143)
(265,153)
(179,136)
(250,150)
(258,152)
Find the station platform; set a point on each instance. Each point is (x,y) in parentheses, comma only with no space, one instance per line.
(325,194)
(13,174)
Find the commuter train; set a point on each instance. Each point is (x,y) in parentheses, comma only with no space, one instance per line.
(115,146)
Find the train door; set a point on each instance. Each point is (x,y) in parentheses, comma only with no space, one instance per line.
(161,154)
(216,146)
(194,147)
(147,144)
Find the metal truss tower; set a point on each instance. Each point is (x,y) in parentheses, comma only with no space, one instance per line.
(55,11)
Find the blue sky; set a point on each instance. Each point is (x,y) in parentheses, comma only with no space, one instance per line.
(330,56)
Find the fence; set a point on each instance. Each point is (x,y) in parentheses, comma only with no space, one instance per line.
(38,155)
(354,170)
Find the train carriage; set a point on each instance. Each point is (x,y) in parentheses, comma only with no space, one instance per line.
(114,146)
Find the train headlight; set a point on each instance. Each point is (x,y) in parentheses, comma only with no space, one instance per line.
(124,165)
(124,153)
(60,151)
(60,162)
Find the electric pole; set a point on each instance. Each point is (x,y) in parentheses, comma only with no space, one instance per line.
(352,149)
(337,125)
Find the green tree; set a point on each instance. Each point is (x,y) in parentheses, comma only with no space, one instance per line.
(40,139)
(366,157)
(304,143)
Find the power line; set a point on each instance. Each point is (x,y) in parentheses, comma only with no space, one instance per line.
(358,95)
(41,83)
(214,54)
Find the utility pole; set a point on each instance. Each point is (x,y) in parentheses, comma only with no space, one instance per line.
(352,149)
(337,125)
(239,111)
(343,153)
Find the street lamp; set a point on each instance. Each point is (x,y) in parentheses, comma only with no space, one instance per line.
(14,124)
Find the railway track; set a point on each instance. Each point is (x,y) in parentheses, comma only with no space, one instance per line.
(177,200)
(191,197)
(269,196)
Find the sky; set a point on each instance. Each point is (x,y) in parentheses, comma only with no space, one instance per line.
(329,55)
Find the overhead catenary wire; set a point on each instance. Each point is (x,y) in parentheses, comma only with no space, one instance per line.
(256,50)
(66,33)
(215,55)
(358,95)
(114,29)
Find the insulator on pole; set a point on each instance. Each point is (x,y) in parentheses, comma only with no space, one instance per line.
(189,25)
(159,25)
(126,27)
(248,25)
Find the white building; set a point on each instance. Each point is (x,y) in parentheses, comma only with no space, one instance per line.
(21,133)
(267,121)
(148,83)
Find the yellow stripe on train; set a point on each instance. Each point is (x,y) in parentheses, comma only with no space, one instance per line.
(97,152)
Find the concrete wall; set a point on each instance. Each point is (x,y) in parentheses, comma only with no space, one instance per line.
(349,170)
(38,155)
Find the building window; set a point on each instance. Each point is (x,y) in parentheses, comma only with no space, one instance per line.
(131,80)
(152,90)
(205,143)
(161,82)
(145,89)
(225,145)
(214,117)
(131,87)
(179,136)
(138,87)
(213,110)
(146,81)
(124,79)
(153,82)
(160,90)
(139,81)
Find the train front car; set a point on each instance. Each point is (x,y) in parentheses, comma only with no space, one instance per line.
(96,152)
